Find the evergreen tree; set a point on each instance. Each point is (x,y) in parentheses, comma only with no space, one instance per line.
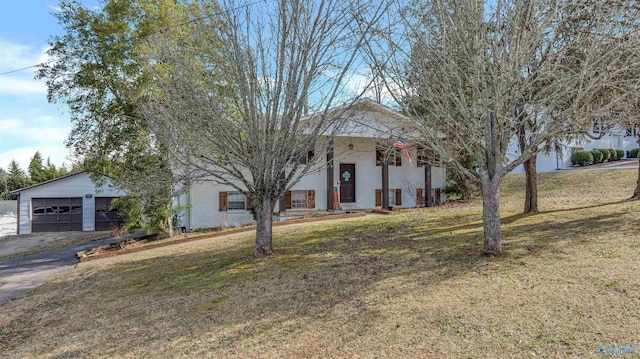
(17,177)
(50,171)
(36,170)
(4,184)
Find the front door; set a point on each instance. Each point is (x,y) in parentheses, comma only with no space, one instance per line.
(347,183)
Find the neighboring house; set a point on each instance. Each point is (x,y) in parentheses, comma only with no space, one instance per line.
(68,203)
(617,138)
(352,176)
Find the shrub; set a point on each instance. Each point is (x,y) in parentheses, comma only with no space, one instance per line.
(581,158)
(597,156)
(606,155)
(614,154)
(634,153)
(620,154)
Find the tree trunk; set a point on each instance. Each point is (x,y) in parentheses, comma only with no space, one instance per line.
(531,193)
(531,175)
(491,216)
(636,193)
(264,227)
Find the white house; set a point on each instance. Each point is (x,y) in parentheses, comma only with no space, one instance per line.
(617,138)
(351,179)
(68,203)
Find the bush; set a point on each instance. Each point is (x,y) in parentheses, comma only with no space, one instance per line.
(606,155)
(597,156)
(581,158)
(620,154)
(614,154)
(633,153)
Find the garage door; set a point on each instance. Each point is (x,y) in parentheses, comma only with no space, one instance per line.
(56,214)
(106,218)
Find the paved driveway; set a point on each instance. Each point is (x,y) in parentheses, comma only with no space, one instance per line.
(20,275)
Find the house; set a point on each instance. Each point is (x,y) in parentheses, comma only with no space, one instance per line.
(618,138)
(68,203)
(351,179)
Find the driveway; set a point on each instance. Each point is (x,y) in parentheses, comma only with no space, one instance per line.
(21,275)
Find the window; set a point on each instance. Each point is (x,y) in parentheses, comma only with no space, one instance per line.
(428,156)
(596,127)
(236,200)
(632,131)
(392,197)
(395,158)
(299,199)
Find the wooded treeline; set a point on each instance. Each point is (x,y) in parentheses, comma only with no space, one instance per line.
(39,170)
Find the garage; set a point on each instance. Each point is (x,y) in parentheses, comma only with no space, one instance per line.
(69,203)
(56,214)
(107,218)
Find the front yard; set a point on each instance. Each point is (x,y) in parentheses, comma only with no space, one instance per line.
(408,285)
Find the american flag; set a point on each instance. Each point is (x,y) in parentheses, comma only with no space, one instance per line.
(400,144)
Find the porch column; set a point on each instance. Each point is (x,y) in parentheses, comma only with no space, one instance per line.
(282,203)
(330,203)
(385,185)
(427,185)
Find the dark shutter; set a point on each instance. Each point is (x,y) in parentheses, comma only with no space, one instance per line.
(437,191)
(311,199)
(398,157)
(310,155)
(223,201)
(378,158)
(287,200)
(419,197)
(248,203)
(398,197)
(378,197)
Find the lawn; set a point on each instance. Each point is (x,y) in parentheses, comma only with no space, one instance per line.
(409,285)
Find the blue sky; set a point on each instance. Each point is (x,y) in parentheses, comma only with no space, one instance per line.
(27,121)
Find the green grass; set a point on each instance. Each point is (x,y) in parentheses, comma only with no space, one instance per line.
(408,285)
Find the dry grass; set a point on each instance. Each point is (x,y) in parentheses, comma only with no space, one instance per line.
(408,285)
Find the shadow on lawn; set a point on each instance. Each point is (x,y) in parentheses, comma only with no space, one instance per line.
(228,298)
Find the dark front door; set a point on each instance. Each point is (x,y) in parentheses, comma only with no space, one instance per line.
(347,183)
(107,218)
(56,214)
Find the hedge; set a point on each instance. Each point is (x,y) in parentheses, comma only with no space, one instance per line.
(606,155)
(597,156)
(620,154)
(634,153)
(581,158)
(614,154)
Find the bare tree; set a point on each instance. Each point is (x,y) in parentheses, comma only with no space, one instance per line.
(249,128)
(636,192)
(475,70)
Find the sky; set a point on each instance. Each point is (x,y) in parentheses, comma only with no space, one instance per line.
(27,121)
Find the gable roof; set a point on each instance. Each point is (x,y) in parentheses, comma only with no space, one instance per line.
(16,191)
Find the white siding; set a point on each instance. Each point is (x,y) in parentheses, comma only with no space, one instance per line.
(78,185)
(204,209)
(204,196)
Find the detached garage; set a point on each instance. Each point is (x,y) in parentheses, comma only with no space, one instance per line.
(69,203)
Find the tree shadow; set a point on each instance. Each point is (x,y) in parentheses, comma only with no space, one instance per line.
(223,297)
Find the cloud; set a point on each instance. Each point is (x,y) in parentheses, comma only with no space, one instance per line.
(57,154)
(40,131)
(20,86)
(17,56)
